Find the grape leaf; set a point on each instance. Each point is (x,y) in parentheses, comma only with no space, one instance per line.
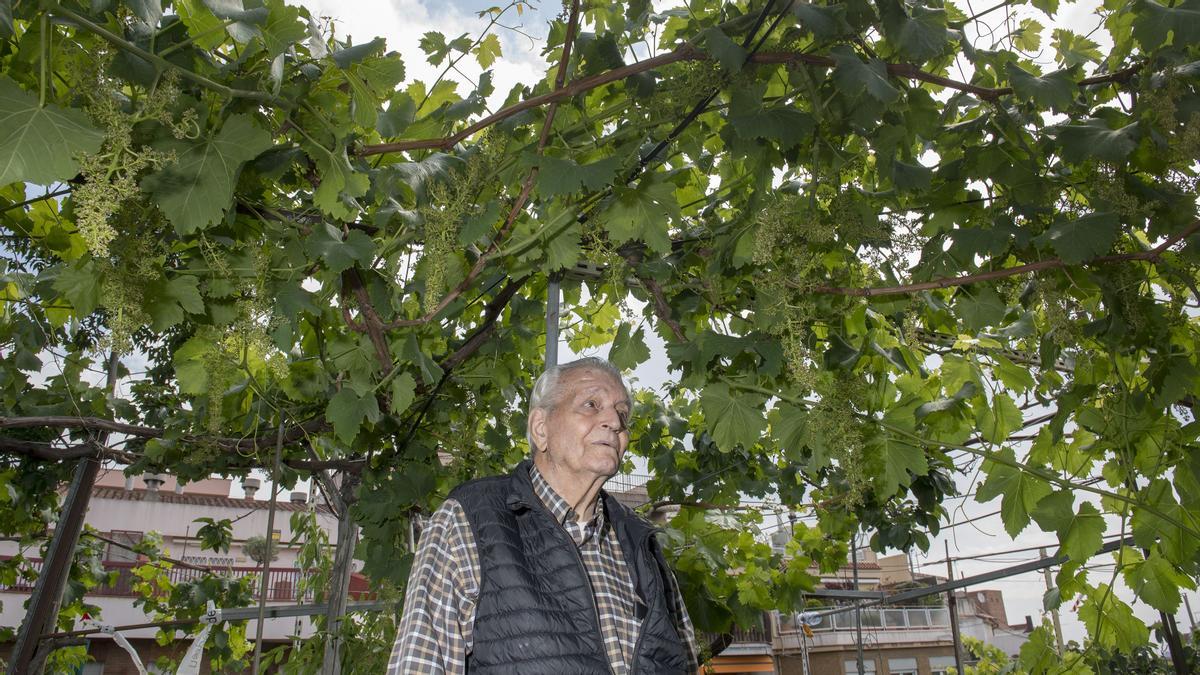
(997,420)
(900,459)
(1053,510)
(167,302)
(1050,7)
(642,213)
(1154,23)
(344,58)
(785,125)
(38,144)
(6,19)
(921,36)
(79,283)
(1055,91)
(341,185)
(339,255)
(1019,491)
(149,11)
(1083,238)
(733,419)
(1155,580)
(195,191)
(403,392)
(563,249)
(1150,528)
(488,51)
(1073,50)
(979,307)
(730,54)
(347,411)
(823,22)
(1039,654)
(1110,621)
(283,28)
(1080,533)
(853,76)
(559,177)
(789,426)
(911,177)
(629,348)
(1028,36)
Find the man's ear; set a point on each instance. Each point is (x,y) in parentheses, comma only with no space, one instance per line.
(537,428)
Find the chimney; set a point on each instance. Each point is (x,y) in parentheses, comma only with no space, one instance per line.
(299,496)
(178,487)
(250,485)
(153,482)
(128,483)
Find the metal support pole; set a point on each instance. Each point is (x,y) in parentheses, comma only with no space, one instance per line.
(266,565)
(1058,634)
(347,536)
(552,311)
(803,650)
(1174,644)
(48,589)
(1191,617)
(953,606)
(858,642)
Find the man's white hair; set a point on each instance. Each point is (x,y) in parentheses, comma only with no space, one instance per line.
(547,390)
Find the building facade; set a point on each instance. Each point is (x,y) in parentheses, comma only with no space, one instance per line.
(124,510)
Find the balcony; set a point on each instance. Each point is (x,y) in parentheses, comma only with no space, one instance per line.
(754,639)
(880,625)
(281,582)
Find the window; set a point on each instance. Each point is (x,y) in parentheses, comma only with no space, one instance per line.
(940,665)
(125,538)
(906,666)
(852,667)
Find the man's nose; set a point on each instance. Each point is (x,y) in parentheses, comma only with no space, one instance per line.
(611,419)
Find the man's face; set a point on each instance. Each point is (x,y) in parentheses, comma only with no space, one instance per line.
(586,433)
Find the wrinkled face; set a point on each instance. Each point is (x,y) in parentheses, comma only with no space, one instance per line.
(585,435)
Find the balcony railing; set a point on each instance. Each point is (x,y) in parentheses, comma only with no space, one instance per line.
(757,633)
(875,618)
(281,581)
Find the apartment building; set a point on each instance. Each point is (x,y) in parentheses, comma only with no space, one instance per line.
(126,509)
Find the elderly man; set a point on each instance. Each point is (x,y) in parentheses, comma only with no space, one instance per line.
(541,571)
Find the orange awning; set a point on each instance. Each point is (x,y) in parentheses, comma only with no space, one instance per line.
(758,663)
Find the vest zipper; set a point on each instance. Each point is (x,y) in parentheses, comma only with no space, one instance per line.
(591,596)
(643,548)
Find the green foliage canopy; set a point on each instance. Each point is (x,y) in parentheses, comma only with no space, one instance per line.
(870,276)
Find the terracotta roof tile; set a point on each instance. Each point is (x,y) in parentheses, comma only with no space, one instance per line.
(168,497)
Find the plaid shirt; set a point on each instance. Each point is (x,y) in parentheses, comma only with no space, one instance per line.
(435,632)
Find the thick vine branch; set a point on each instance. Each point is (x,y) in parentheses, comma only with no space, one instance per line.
(1053,263)
(352,281)
(46,451)
(688,52)
(662,309)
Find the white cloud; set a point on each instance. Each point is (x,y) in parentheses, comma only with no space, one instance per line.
(403,22)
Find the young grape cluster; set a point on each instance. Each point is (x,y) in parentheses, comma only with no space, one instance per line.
(111,175)
(449,204)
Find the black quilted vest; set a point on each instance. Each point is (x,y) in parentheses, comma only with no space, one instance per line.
(536,614)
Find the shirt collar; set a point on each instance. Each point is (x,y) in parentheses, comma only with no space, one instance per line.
(559,508)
